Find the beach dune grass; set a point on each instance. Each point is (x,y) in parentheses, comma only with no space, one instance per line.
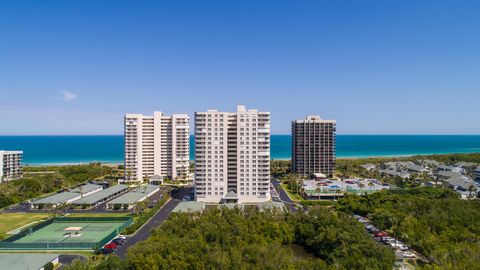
(12,221)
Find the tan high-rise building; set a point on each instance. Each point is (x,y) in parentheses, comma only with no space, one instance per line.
(156,145)
(10,165)
(313,146)
(232,156)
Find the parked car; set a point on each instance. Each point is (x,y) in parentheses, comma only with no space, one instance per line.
(118,241)
(121,236)
(387,239)
(397,245)
(408,254)
(110,246)
(372,228)
(381,234)
(104,251)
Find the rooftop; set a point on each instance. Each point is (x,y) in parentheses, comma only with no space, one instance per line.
(24,261)
(98,196)
(231,195)
(86,188)
(368,166)
(314,119)
(448,168)
(58,198)
(271,205)
(456,179)
(189,207)
(135,195)
(465,164)
(431,162)
(395,173)
(416,168)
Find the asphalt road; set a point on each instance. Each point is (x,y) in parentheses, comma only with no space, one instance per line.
(144,232)
(282,194)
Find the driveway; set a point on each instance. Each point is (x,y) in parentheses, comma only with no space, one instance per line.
(281,192)
(162,214)
(283,195)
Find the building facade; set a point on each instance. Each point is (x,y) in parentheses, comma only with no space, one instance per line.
(314,146)
(11,167)
(156,145)
(232,156)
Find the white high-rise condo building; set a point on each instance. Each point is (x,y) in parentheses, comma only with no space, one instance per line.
(232,156)
(10,165)
(156,145)
(313,146)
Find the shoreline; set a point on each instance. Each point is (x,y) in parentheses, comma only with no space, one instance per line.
(276,159)
(72,163)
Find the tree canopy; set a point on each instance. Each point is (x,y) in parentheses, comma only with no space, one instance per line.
(434,221)
(251,239)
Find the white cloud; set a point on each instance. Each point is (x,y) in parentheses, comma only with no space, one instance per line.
(67,96)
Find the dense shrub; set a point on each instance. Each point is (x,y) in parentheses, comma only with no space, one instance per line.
(433,221)
(249,239)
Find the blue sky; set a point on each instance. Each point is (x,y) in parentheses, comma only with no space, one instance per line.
(377,67)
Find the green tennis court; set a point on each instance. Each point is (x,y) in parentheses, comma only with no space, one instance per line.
(64,233)
(71,232)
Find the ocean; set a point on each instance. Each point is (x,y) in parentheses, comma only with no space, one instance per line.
(40,150)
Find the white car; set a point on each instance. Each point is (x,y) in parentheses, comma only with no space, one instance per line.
(121,236)
(398,246)
(408,254)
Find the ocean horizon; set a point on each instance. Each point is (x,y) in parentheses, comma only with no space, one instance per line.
(75,149)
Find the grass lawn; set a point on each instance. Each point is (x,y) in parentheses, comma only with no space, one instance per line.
(10,221)
(99,215)
(295,197)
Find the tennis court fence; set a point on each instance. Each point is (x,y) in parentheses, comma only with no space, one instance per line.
(9,243)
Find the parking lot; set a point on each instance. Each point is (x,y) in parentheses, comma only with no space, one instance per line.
(402,251)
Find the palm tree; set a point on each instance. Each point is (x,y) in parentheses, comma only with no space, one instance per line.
(135,208)
(143,206)
(361,186)
(298,184)
(337,193)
